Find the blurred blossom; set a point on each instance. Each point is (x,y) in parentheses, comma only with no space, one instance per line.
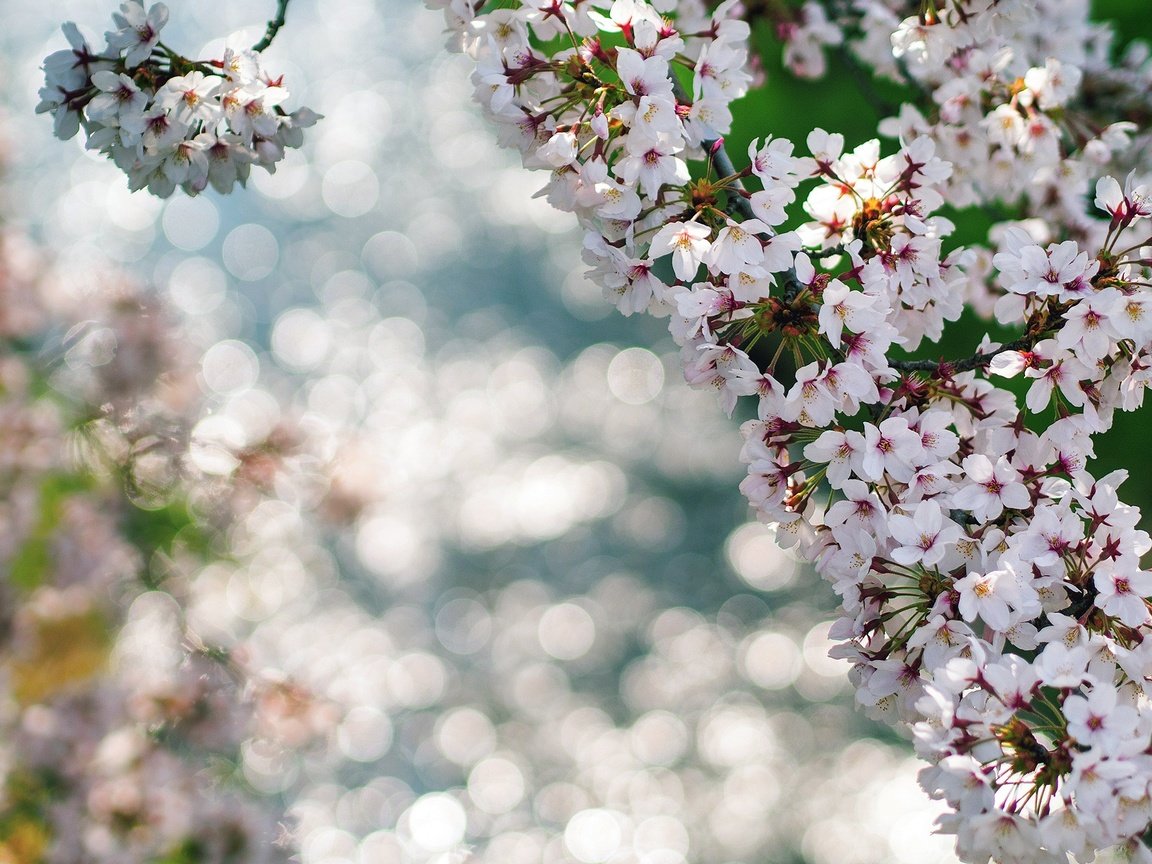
(757,559)
(190,223)
(250,252)
(118,718)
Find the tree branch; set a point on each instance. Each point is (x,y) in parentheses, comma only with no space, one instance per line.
(946,368)
(273,26)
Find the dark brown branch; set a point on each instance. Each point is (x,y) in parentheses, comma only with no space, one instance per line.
(947,368)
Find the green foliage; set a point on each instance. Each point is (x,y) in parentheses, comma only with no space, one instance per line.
(32,562)
(166,530)
(191,851)
(24,831)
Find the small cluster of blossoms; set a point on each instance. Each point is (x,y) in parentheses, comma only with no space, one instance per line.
(609,118)
(993,593)
(115,710)
(996,91)
(166,121)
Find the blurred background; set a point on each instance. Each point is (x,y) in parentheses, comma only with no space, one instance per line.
(495,532)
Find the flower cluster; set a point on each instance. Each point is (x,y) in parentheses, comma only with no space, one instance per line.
(164,120)
(993,593)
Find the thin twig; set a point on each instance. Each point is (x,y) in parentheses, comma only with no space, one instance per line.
(273,26)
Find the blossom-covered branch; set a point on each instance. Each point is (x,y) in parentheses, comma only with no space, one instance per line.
(994,599)
(165,120)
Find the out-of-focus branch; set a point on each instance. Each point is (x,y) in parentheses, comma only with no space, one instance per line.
(273,26)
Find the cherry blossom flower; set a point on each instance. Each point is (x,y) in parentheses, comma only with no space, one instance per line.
(924,536)
(687,242)
(1124,206)
(190,97)
(986,596)
(890,448)
(138,32)
(991,487)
